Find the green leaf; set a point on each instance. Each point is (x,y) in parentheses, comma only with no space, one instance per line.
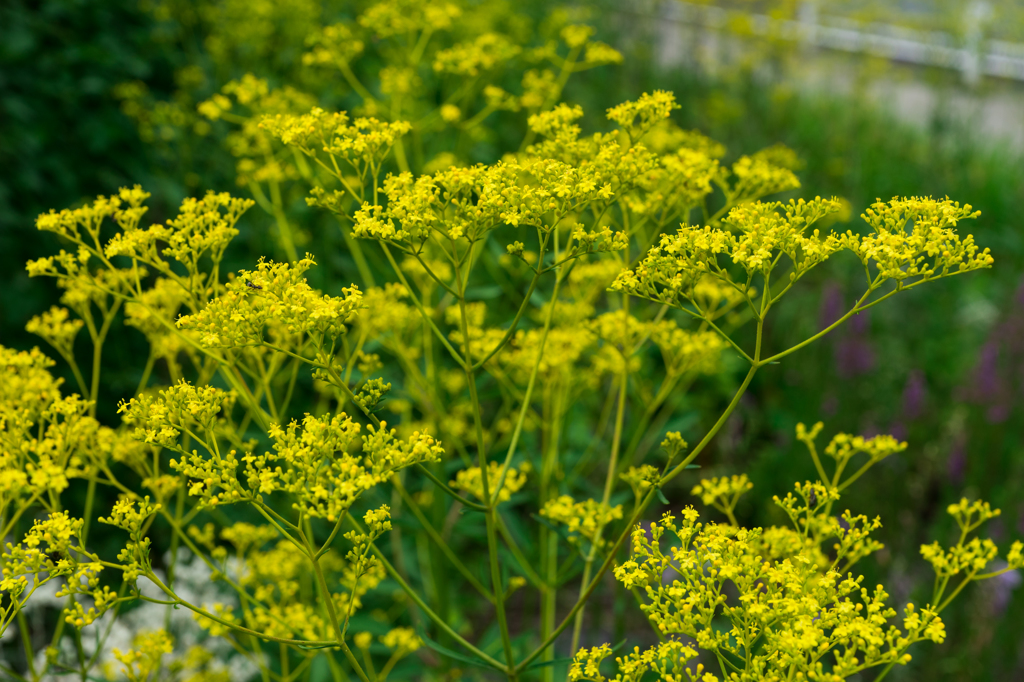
(661,496)
(544,664)
(445,651)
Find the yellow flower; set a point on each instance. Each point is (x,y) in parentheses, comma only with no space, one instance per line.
(585,518)
(469,480)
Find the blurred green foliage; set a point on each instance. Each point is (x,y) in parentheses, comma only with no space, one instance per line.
(62,135)
(944,370)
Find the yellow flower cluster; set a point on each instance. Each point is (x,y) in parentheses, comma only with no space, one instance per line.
(606,163)
(454,203)
(641,479)
(637,118)
(578,36)
(756,176)
(668,660)
(388,316)
(161,419)
(402,640)
(485,53)
(151,312)
(45,439)
(144,659)
(788,615)
(202,227)
(756,236)
(56,328)
(314,460)
(685,351)
(135,555)
(844,446)
(762,236)
(332,45)
(667,137)
(364,142)
(563,353)
(930,248)
(398,17)
(583,519)
(272,300)
(970,557)
(52,549)
(378,522)
(249,143)
(723,492)
(69,223)
(470,481)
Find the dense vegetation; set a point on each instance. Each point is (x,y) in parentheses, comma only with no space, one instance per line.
(939,369)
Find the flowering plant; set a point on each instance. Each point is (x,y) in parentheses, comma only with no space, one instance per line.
(632,264)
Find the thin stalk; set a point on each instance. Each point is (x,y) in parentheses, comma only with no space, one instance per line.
(513,547)
(529,389)
(492,535)
(606,496)
(97,355)
(423,606)
(439,541)
(641,508)
(325,594)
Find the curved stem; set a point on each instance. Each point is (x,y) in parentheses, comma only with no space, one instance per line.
(439,541)
(440,484)
(423,606)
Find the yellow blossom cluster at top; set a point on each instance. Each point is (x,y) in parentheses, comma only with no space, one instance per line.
(484,53)
(636,118)
(333,44)
(362,142)
(202,229)
(723,492)
(249,143)
(273,298)
(755,237)
(396,17)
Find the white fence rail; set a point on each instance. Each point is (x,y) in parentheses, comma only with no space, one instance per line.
(972,56)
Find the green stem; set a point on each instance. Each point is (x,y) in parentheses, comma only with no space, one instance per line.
(439,541)
(513,547)
(325,594)
(858,307)
(423,606)
(635,518)
(492,535)
(529,386)
(97,356)
(440,484)
(608,484)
